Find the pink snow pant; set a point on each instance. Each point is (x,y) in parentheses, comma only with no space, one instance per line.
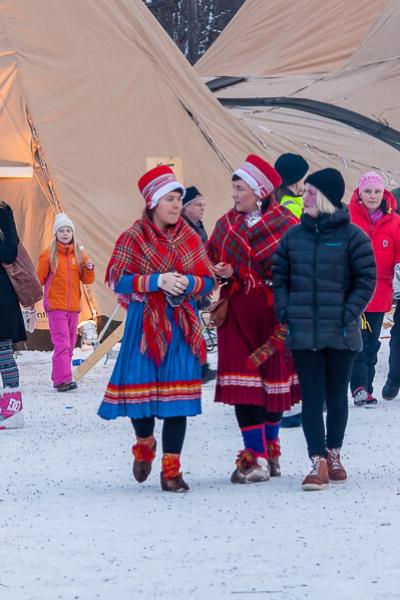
(63,330)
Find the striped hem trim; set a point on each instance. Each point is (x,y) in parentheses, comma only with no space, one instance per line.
(137,394)
(271,387)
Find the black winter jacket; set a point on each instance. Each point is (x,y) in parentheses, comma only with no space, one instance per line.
(11,321)
(198,228)
(323,278)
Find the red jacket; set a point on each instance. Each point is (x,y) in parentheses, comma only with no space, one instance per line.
(385,238)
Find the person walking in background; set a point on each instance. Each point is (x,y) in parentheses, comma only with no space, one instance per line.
(158,268)
(12,328)
(241,248)
(193,208)
(194,205)
(373,209)
(323,277)
(61,268)
(392,385)
(293,169)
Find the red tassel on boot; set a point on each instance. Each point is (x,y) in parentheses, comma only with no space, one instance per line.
(144,452)
(274,452)
(171,478)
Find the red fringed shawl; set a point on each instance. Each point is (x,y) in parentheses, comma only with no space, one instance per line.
(249,249)
(143,249)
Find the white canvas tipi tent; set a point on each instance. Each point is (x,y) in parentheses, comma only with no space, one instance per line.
(91,94)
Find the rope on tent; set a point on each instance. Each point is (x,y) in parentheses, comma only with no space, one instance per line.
(42,162)
(209,139)
(56,206)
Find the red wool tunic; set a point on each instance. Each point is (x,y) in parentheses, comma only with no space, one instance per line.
(251,320)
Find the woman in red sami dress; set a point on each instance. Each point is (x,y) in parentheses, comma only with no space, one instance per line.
(255,372)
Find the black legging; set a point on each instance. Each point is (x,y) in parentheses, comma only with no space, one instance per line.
(249,414)
(364,365)
(394,345)
(173,432)
(324,377)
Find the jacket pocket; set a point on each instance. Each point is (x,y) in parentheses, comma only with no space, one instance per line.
(352,335)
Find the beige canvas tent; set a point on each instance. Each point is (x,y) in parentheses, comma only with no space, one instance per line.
(281,37)
(369,83)
(348,117)
(91,94)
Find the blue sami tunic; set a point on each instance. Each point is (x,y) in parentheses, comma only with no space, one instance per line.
(138,387)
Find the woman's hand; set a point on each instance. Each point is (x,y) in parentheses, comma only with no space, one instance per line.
(223,270)
(173,283)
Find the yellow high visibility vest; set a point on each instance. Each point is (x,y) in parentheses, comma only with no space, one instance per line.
(294,204)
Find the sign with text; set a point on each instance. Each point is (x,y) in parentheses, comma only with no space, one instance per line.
(175,162)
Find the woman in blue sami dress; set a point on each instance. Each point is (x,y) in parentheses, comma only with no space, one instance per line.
(158,268)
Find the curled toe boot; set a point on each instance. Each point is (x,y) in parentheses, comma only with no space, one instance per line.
(274,452)
(171,479)
(250,468)
(144,452)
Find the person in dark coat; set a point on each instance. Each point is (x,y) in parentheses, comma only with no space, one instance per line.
(12,327)
(323,278)
(392,385)
(194,205)
(293,169)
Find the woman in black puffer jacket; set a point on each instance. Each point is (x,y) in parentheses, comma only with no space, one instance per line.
(11,322)
(11,326)
(324,276)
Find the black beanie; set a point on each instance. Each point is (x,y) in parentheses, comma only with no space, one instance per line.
(330,182)
(291,167)
(191,193)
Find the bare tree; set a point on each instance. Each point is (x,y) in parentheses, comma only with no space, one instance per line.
(194,24)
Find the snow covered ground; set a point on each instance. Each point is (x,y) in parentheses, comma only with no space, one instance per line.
(76,526)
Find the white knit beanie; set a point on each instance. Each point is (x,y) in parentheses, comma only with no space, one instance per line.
(62,220)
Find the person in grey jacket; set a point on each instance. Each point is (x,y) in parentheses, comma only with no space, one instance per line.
(323,278)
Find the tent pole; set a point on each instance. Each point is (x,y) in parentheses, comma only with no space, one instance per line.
(110,318)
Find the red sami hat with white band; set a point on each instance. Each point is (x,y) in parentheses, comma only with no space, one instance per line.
(259,175)
(156,183)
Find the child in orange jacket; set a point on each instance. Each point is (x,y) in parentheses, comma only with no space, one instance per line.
(61,268)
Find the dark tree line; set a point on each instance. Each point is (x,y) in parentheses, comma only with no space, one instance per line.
(193,24)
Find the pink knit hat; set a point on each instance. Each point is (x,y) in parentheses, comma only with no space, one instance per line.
(371,180)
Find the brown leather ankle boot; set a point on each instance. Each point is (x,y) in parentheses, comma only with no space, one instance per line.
(318,478)
(336,471)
